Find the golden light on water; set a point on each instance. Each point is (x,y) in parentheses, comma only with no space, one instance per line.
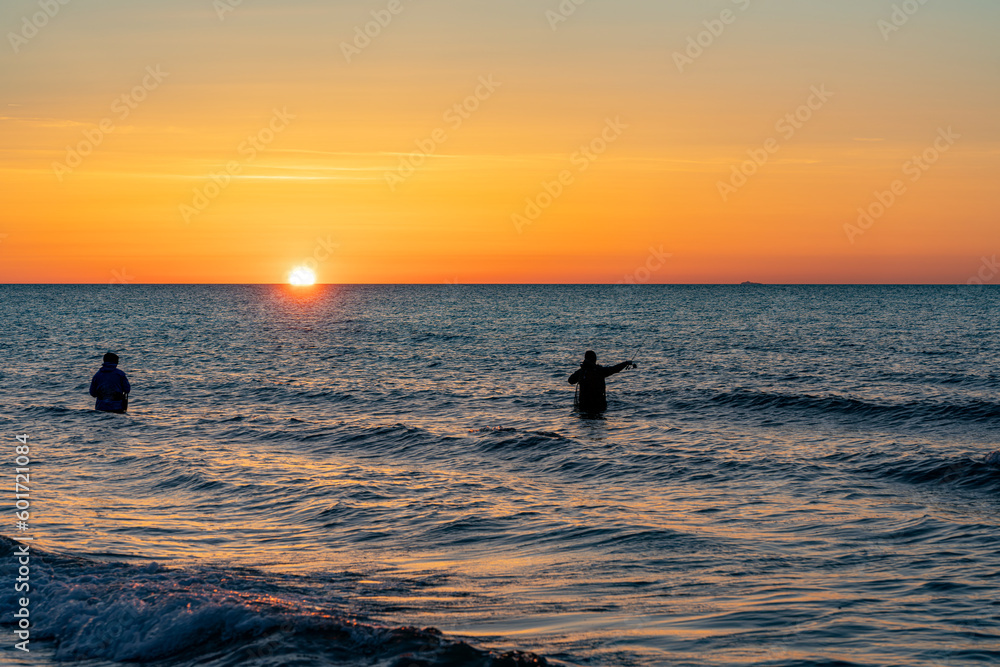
(302,276)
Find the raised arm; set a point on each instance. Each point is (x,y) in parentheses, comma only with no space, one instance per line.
(617,368)
(575,377)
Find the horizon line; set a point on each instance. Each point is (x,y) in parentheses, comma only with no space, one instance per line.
(486,284)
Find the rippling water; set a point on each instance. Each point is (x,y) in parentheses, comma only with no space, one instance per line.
(793,476)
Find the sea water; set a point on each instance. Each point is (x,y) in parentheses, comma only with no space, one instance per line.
(393,475)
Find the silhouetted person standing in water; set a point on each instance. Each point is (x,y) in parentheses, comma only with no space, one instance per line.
(110,386)
(590,377)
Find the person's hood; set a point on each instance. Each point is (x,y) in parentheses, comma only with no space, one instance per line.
(108,367)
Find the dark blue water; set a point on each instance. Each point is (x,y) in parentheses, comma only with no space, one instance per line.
(394,476)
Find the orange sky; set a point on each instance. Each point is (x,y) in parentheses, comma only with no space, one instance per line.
(666,125)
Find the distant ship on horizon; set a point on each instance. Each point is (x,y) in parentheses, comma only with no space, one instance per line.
(749,282)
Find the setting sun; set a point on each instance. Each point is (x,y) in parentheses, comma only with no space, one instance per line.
(302,276)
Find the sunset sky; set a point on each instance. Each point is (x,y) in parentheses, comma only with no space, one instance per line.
(119,120)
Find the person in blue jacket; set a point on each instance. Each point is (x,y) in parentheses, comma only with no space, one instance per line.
(110,386)
(591,393)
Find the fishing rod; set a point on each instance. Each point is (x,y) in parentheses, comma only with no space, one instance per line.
(631,359)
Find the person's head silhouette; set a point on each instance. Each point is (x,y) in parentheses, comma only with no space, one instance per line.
(111,358)
(590,357)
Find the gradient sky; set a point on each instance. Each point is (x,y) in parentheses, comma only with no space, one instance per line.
(318,189)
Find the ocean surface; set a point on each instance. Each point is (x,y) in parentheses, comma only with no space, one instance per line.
(394,476)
